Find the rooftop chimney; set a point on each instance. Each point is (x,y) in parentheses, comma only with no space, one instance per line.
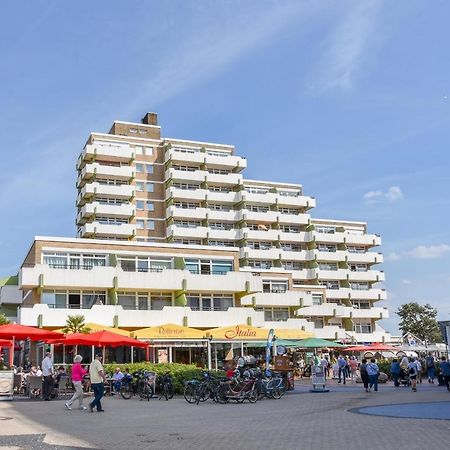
(150,119)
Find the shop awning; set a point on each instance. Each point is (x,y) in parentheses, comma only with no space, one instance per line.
(169,331)
(286,333)
(93,327)
(238,333)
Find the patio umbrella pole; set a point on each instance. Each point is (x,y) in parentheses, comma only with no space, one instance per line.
(11,352)
(104,352)
(131,358)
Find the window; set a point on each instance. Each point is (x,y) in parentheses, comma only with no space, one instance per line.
(217,153)
(289,193)
(185,168)
(275,286)
(140,224)
(208,266)
(290,211)
(318,323)
(140,205)
(149,187)
(73,260)
(358,267)
(221,243)
(139,150)
(260,264)
(150,206)
(257,208)
(144,263)
(186,186)
(133,130)
(73,299)
(139,168)
(221,226)
(274,314)
(150,224)
(219,189)
(186,205)
(291,247)
(330,248)
(328,266)
(317,299)
(140,186)
(256,245)
(187,223)
(325,229)
(219,171)
(291,265)
(355,249)
(362,327)
(289,229)
(217,207)
(361,304)
(256,190)
(188,241)
(149,168)
(333,284)
(159,300)
(111,220)
(361,286)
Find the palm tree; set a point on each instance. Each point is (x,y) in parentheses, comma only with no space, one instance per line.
(3,320)
(75,324)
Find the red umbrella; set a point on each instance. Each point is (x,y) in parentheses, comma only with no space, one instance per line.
(21,332)
(102,338)
(5,343)
(375,347)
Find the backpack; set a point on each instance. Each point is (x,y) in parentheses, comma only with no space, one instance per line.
(412,371)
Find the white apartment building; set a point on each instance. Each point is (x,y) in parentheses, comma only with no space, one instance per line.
(169,231)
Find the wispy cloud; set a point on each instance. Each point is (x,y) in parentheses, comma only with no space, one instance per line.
(216,45)
(393,194)
(348,46)
(420,252)
(406,281)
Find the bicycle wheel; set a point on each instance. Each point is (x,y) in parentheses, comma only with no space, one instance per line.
(125,392)
(141,388)
(148,391)
(165,391)
(252,396)
(276,393)
(190,392)
(200,394)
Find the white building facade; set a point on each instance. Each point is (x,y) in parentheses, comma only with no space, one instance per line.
(169,231)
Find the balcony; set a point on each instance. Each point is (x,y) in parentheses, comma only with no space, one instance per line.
(177,231)
(376,312)
(196,176)
(325,310)
(93,229)
(293,219)
(268,198)
(300,201)
(263,235)
(232,234)
(123,211)
(185,157)
(296,237)
(123,173)
(338,293)
(364,258)
(340,274)
(249,253)
(10,294)
(336,256)
(369,240)
(230,162)
(304,255)
(332,238)
(305,274)
(369,275)
(229,282)
(185,194)
(229,216)
(116,152)
(370,294)
(223,197)
(195,213)
(231,179)
(288,298)
(263,217)
(106,315)
(123,191)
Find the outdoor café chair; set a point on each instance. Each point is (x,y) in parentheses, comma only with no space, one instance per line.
(63,385)
(34,386)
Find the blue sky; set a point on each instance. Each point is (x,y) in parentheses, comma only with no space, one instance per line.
(349,98)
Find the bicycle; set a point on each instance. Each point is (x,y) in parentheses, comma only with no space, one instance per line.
(165,386)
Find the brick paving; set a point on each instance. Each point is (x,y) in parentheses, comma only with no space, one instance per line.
(300,420)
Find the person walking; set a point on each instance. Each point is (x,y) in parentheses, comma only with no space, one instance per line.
(341,367)
(77,379)
(431,370)
(395,372)
(445,371)
(364,374)
(353,363)
(97,376)
(412,372)
(47,373)
(373,372)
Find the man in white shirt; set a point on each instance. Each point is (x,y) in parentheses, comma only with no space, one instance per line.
(97,376)
(47,373)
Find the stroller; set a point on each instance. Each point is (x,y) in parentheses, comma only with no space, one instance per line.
(403,378)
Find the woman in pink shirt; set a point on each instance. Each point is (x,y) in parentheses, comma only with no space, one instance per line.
(77,379)
(353,363)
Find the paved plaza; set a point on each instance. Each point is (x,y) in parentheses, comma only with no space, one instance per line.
(345,418)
